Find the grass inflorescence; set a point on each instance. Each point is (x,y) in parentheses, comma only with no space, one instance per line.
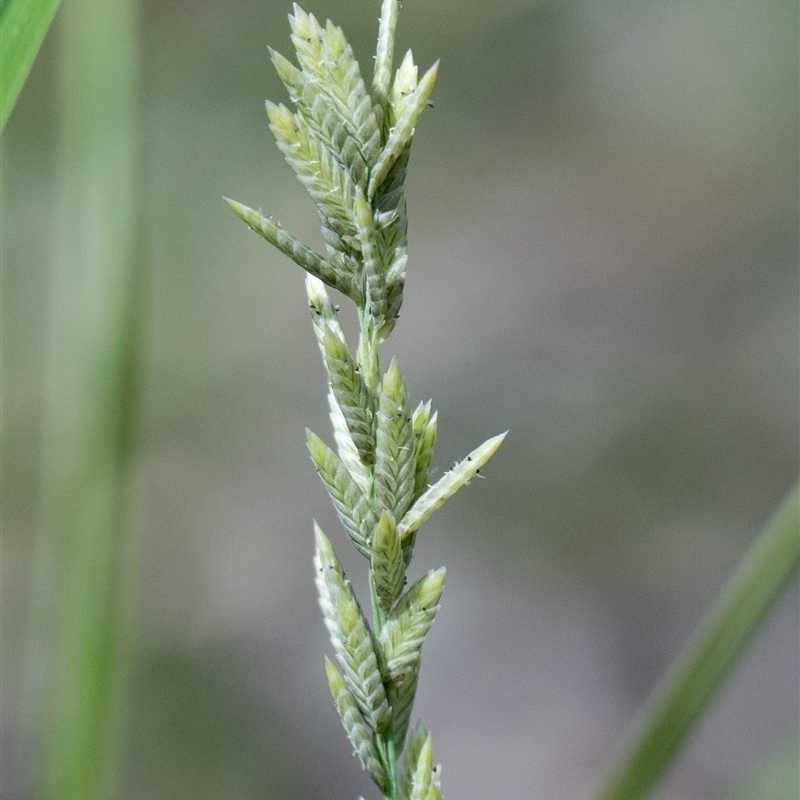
(349,146)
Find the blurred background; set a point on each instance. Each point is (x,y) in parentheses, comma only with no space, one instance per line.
(603,258)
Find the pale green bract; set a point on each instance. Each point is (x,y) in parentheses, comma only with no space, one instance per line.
(350,149)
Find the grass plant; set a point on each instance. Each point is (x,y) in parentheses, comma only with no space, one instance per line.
(350,146)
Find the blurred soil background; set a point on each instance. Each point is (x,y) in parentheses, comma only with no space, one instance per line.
(603,259)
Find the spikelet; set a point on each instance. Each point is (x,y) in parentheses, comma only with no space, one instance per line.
(325,320)
(310,261)
(373,266)
(350,636)
(384,54)
(323,120)
(394,446)
(326,57)
(388,565)
(435,496)
(402,636)
(401,699)
(416,742)
(327,182)
(423,786)
(349,501)
(405,83)
(358,732)
(425,427)
(402,132)
(351,395)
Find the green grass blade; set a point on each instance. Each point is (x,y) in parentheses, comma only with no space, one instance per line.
(692,680)
(23,24)
(90,401)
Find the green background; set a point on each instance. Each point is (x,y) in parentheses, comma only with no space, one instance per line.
(603,259)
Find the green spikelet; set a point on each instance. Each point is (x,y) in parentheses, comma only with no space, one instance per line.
(391,243)
(325,319)
(326,124)
(307,39)
(422,780)
(388,566)
(391,239)
(460,475)
(416,742)
(403,130)
(401,698)
(329,185)
(420,418)
(324,55)
(402,636)
(349,501)
(310,261)
(388,198)
(384,55)
(394,446)
(405,83)
(424,442)
(346,447)
(373,266)
(350,635)
(357,730)
(350,91)
(324,316)
(351,395)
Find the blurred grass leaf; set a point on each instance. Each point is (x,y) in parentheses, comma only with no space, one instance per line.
(692,680)
(23,24)
(90,402)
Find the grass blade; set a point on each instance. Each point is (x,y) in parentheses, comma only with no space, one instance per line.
(90,402)
(692,680)
(23,24)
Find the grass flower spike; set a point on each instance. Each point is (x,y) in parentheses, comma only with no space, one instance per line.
(349,146)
